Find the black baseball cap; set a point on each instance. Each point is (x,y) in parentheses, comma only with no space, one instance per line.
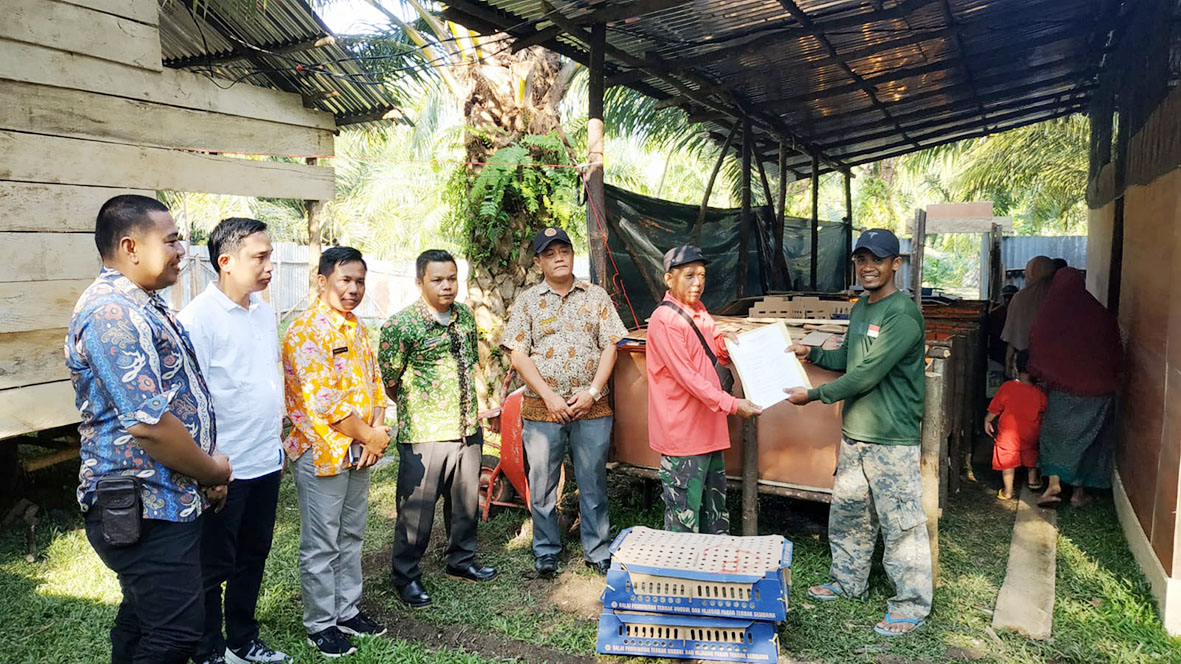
(547,236)
(879,241)
(686,253)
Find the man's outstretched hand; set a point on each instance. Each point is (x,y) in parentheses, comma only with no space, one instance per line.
(797,395)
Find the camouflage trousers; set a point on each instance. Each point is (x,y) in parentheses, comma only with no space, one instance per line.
(695,494)
(878,487)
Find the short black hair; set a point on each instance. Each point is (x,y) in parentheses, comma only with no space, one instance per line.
(1060,263)
(229,235)
(431,256)
(334,256)
(119,216)
(1022,361)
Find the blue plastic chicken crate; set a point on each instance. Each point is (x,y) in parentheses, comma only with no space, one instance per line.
(687,637)
(691,574)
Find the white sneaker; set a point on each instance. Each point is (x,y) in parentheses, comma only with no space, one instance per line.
(256,653)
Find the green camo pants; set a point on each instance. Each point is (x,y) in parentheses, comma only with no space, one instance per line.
(879,486)
(695,494)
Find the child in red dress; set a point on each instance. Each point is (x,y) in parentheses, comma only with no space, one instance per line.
(1015,421)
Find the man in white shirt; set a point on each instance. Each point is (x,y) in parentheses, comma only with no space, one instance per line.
(234,334)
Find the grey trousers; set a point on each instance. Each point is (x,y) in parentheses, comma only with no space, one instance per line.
(332,516)
(426,471)
(878,488)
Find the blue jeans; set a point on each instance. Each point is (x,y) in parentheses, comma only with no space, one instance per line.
(545,448)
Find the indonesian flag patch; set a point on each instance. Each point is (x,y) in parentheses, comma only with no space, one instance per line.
(874,330)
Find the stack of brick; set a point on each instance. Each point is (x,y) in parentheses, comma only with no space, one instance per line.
(692,596)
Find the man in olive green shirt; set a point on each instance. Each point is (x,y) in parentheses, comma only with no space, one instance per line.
(877,480)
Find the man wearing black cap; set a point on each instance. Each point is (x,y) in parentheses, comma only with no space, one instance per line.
(687,403)
(877,480)
(562,335)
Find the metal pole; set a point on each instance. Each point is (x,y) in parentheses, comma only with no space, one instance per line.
(596,214)
(815,221)
(744,231)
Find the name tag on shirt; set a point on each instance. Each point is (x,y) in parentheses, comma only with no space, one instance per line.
(340,351)
(549,321)
(431,343)
(873,331)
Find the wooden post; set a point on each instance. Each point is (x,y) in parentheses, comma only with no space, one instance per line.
(695,234)
(781,215)
(744,230)
(313,209)
(933,439)
(918,241)
(996,271)
(815,223)
(849,276)
(778,264)
(596,213)
(750,476)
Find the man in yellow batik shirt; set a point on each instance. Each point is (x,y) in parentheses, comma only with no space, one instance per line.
(336,404)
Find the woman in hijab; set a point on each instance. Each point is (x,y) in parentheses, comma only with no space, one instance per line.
(1075,352)
(1023,309)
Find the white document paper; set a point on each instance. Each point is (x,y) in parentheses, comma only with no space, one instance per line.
(765,366)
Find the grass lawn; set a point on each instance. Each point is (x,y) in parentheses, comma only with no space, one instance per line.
(58,609)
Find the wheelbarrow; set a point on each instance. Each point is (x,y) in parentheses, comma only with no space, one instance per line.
(504,478)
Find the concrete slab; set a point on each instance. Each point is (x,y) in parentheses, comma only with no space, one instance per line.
(1026,601)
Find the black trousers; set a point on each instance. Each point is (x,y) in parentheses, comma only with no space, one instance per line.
(427,471)
(235,543)
(160,619)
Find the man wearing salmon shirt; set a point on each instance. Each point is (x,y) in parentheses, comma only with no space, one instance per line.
(687,406)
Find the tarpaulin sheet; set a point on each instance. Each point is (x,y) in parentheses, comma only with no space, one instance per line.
(640,229)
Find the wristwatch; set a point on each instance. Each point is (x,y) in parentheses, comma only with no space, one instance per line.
(595,392)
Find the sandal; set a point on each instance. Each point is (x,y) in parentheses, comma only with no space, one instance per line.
(895,621)
(831,587)
(1037,486)
(1000,495)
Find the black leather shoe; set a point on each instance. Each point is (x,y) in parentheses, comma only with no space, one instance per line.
(547,566)
(414,595)
(599,567)
(472,573)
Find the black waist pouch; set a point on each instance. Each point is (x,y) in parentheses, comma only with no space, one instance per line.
(119,508)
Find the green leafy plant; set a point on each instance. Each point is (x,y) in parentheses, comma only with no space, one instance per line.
(525,186)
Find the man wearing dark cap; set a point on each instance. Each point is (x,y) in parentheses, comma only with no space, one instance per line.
(687,405)
(877,480)
(562,335)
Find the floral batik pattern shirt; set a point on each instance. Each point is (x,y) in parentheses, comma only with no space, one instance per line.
(131,362)
(329,373)
(564,336)
(430,369)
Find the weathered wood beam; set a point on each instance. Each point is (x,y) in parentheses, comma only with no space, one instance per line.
(287,48)
(596,200)
(814,263)
(801,16)
(695,233)
(537,38)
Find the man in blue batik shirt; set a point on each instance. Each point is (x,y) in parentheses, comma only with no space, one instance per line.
(147,415)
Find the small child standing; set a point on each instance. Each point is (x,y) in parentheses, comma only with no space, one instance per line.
(1018,406)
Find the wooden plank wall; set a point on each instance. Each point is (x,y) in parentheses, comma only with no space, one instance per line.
(90,112)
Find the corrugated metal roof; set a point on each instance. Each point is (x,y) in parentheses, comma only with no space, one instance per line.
(855,80)
(283,46)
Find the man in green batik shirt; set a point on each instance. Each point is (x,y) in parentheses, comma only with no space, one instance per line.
(877,483)
(427,355)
